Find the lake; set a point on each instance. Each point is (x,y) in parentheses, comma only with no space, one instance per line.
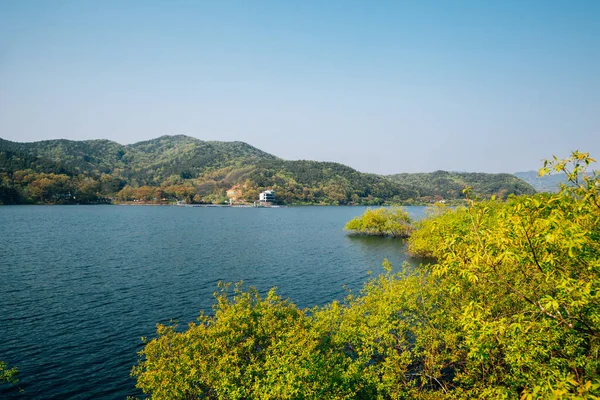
(79,285)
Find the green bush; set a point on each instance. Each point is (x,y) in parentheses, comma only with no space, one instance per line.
(393,222)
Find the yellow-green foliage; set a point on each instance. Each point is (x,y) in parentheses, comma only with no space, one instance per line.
(8,375)
(252,347)
(510,309)
(380,344)
(526,276)
(393,222)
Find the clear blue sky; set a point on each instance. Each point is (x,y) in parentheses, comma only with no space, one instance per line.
(383,86)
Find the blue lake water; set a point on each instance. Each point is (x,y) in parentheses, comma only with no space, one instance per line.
(79,285)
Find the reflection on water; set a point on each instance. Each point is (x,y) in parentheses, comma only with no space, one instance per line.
(387,245)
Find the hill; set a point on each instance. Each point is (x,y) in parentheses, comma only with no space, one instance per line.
(184,168)
(546,183)
(148,162)
(449,185)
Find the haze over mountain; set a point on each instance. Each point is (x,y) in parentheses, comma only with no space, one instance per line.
(184,168)
(547,183)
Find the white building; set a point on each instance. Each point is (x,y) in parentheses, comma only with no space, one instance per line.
(267,196)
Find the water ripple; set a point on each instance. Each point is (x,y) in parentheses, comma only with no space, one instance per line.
(80,285)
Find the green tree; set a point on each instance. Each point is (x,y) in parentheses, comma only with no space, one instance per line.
(526,276)
(252,347)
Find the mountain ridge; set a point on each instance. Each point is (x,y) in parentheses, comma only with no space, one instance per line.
(185,168)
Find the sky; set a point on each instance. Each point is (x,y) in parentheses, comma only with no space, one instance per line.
(382,86)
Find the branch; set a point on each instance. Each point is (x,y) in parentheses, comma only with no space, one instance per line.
(531,247)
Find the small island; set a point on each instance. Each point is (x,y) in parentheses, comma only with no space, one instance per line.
(394,222)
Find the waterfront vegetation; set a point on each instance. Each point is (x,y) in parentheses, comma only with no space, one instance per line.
(181,168)
(394,222)
(510,308)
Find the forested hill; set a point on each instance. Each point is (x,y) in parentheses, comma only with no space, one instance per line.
(184,168)
(146,162)
(449,185)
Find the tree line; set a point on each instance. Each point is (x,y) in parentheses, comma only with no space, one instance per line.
(181,168)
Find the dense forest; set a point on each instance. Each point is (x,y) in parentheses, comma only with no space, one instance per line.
(182,168)
(450,185)
(507,308)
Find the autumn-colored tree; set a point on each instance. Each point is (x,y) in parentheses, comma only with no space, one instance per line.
(50,187)
(126,194)
(144,193)
(86,189)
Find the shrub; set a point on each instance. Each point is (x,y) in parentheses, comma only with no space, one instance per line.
(393,222)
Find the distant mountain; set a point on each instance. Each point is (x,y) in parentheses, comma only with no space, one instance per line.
(185,168)
(547,183)
(449,185)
